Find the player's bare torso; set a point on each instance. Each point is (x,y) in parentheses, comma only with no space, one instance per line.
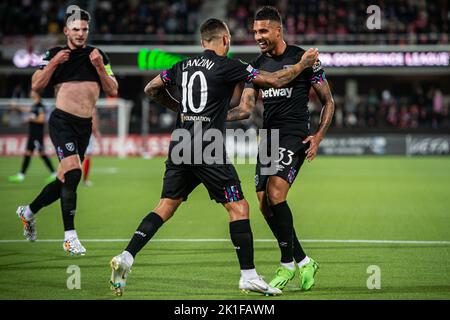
(77,97)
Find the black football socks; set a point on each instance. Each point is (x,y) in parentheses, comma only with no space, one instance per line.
(298,252)
(284,230)
(69,198)
(48,163)
(25,164)
(146,230)
(48,195)
(242,238)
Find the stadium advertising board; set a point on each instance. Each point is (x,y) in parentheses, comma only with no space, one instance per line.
(157,145)
(157,59)
(162,58)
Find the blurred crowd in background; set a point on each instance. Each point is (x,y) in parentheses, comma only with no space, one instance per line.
(423,108)
(108,17)
(311,21)
(344,21)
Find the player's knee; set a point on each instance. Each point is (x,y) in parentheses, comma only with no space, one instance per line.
(238,210)
(275,195)
(167,207)
(70,163)
(69,190)
(72,179)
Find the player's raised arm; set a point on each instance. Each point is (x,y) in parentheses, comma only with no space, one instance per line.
(157,90)
(281,78)
(107,79)
(322,89)
(42,77)
(245,107)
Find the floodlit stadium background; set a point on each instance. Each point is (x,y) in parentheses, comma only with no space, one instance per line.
(382,173)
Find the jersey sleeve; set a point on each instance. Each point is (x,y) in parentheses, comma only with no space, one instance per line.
(168,76)
(251,85)
(48,56)
(318,73)
(237,71)
(40,109)
(106,63)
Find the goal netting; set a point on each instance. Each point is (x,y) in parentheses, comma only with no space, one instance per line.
(113,116)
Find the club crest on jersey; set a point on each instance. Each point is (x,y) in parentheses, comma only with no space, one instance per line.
(70,146)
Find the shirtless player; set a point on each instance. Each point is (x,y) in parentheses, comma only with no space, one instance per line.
(77,72)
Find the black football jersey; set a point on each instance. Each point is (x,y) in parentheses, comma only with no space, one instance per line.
(205,84)
(286,108)
(36,129)
(77,68)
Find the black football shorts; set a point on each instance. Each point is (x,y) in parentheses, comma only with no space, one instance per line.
(35,142)
(291,155)
(221,181)
(69,134)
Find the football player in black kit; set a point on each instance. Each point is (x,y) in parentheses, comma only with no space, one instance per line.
(285,109)
(77,72)
(36,120)
(206,84)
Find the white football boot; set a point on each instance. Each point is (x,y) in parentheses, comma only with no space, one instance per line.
(73,246)
(29,228)
(120,270)
(258,285)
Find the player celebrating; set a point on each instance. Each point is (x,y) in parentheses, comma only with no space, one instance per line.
(206,83)
(77,72)
(35,140)
(289,114)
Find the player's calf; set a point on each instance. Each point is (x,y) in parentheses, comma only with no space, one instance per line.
(69,197)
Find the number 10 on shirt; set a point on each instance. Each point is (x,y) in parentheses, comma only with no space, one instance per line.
(187,88)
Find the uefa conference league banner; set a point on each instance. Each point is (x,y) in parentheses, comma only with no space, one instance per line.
(156,145)
(394,144)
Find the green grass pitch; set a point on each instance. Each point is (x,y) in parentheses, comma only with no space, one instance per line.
(334,198)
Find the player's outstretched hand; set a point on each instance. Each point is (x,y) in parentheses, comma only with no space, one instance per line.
(310,57)
(311,152)
(96,58)
(61,57)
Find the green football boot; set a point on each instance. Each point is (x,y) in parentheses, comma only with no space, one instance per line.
(307,273)
(282,277)
(17,178)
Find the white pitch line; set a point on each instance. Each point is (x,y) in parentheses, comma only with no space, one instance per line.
(255,240)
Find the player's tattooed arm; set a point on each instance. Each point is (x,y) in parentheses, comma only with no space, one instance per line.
(157,90)
(281,78)
(245,107)
(323,91)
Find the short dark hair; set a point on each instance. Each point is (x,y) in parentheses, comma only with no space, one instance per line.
(78,14)
(268,13)
(212,28)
